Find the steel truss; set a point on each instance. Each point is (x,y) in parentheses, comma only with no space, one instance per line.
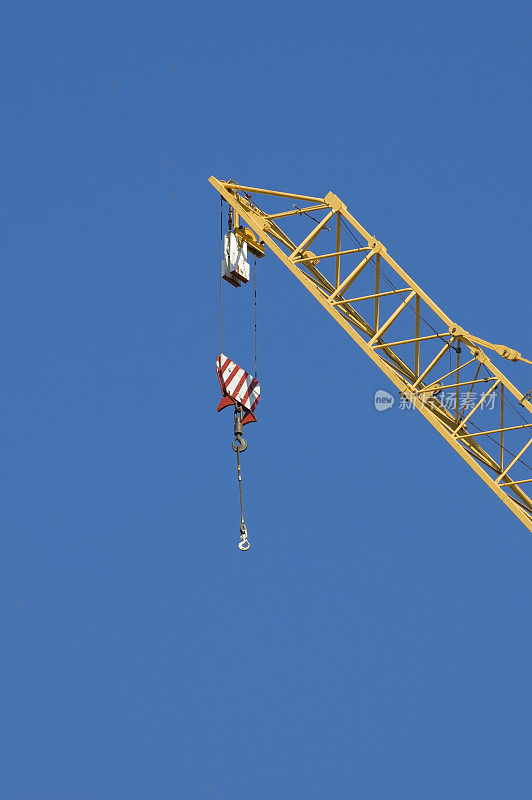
(414,364)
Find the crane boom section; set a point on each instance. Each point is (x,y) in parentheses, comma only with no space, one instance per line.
(438,367)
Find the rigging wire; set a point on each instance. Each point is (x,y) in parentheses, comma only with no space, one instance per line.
(515,411)
(306,214)
(508,403)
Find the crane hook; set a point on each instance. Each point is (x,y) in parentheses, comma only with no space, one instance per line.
(243,543)
(240,444)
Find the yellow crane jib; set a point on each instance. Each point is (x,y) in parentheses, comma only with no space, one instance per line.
(467,399)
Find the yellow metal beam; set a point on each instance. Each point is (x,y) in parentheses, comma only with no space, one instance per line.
(338,251)
(516,459)
(350,278)
(372,296)
(295,211)
(336,254)
(253,190)
(432,364)
(415,340)
(454,385)
(312,235)
(389,322)
(497,430)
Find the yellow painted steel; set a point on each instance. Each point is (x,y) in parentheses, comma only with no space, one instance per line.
(410,374)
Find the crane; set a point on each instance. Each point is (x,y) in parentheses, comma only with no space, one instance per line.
(440,369)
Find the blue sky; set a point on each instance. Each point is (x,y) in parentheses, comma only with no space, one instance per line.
(375,642)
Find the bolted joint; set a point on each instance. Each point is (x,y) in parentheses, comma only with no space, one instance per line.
(376,246)
(511,355)
(334,202)
(457,330)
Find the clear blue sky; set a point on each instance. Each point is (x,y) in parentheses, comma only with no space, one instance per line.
(375,643)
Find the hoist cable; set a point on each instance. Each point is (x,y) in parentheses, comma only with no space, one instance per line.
(255,317)
(239,445)
(221,261)
(244,542)
(240,485)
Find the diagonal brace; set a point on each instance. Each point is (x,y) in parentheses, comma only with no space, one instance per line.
(350,278)
(391,319)
(312,235)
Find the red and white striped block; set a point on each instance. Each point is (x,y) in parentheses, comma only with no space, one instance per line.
(237,386)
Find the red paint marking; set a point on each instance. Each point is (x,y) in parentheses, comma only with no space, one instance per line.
(228,380)
(250,389)
(239,384)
